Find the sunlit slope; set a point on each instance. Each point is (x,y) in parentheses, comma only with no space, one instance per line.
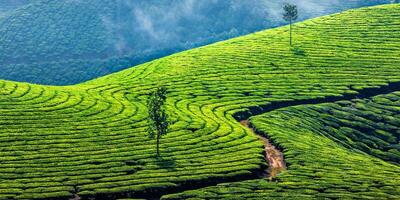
(332,151)
(65,42)
(90,139)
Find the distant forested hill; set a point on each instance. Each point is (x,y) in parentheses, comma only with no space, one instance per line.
(6,5)
(69,41)
(9,5)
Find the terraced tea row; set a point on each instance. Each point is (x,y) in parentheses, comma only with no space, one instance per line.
(333,150)
(90,139)
(64,151)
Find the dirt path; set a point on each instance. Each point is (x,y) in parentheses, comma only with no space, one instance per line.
(273,155)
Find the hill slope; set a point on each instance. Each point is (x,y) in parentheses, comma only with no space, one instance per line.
(8,6)
(90,139)
(66,42)
(331,150)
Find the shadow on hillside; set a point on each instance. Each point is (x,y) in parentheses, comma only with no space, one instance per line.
(166,163)
(298,51)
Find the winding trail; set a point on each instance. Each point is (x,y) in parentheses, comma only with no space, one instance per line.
(273,154)
(276,161)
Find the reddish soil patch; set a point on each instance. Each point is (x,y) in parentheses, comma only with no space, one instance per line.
(273,155)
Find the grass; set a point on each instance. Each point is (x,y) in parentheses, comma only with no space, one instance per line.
(90,139)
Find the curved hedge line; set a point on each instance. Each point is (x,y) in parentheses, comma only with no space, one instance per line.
(341,150)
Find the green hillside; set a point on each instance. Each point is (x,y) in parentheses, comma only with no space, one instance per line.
(90,139)
(65,42)
(332,151)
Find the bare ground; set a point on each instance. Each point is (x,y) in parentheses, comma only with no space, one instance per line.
(274,157)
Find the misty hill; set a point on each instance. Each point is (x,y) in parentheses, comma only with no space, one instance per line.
(7,5)
(70,41)
(90,140)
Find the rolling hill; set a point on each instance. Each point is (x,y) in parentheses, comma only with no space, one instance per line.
(333,150)
(7,6)
(66,42)
(89,140)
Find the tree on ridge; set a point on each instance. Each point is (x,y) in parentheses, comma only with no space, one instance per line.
(290,14)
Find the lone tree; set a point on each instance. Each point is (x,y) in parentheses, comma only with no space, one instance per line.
(158,119)
(290,14)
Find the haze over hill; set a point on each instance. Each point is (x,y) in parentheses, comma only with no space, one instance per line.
(8,5)
(70,41)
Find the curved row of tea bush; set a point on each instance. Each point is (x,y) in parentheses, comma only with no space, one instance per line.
(333,151)
(90,139)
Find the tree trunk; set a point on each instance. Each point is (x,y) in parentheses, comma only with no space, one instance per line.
(158,145)
(290,32)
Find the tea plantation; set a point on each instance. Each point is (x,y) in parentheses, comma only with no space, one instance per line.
(65,42)
(90,141)
(332,151)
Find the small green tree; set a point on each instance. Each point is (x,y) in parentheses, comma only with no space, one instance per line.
(290,14)
(158,119)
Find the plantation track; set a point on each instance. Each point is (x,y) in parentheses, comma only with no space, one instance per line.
(273,152)
(273,155)
(386,99)
(91,140)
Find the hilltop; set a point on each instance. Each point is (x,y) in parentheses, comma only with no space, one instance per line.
(66,42)
(89,140)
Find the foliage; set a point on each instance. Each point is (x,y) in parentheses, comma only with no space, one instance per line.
(158,118)
(290,15)
(290,12)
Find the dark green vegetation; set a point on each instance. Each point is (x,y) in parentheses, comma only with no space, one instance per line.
(290,14)
(7,6)
(69,41)
(157,116)
(372,126)
(91,140)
